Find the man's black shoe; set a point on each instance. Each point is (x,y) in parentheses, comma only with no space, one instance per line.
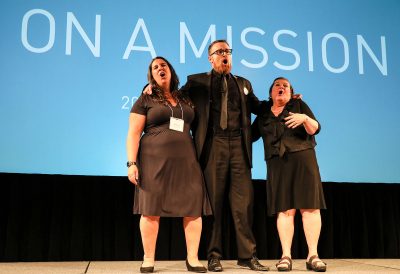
(214,265)
(253,264)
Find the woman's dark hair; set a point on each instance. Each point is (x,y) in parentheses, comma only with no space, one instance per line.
(158,94)
(280,78)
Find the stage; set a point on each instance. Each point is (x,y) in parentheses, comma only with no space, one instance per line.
(122,267)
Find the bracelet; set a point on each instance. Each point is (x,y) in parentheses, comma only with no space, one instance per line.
(130,163)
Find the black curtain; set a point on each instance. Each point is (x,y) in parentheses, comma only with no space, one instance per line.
(71,218)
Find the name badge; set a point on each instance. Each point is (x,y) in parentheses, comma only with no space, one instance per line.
(176,124)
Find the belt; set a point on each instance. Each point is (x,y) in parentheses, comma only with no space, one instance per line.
(227,132)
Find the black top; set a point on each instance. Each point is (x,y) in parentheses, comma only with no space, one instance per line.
(159,113)
(234,110)
(278,138)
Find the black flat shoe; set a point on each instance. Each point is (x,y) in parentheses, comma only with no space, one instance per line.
(214,265)
(198,269)
(312,264)
(284,264)
(146,269)
(253,264)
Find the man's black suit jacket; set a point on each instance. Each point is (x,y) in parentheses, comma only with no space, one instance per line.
(198,88)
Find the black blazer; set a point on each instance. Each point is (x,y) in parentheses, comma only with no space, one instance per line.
(198,88)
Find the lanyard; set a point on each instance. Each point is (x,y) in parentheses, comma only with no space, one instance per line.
(173,110)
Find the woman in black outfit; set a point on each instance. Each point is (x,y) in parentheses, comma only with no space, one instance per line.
(163,166)
(287,127)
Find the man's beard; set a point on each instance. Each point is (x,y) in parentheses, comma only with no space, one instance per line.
(224,69)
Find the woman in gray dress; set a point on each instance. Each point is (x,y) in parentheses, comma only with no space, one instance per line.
(163,166)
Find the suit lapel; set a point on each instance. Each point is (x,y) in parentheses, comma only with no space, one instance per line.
(208,96)
(241,87)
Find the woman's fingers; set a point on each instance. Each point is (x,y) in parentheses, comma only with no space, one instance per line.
(293,120)
(133,175)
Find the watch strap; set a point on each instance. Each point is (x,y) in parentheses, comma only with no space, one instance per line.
(130,163)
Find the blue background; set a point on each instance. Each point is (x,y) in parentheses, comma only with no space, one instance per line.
(68,113)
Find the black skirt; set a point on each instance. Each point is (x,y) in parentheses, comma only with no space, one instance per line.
(294,182)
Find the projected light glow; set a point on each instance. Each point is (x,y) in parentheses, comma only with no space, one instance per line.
(70,73)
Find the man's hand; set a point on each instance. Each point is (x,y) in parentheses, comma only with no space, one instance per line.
(148,89)
(297,96)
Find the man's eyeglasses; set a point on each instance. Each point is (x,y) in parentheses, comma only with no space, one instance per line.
(222,52)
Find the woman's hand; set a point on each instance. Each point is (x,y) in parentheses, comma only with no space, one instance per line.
(133,174)
(295,119)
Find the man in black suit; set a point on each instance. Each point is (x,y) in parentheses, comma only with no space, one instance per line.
(222,136)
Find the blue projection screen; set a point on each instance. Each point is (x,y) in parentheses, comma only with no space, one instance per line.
(71,70)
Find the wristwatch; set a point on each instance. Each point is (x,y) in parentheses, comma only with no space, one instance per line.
(130,163)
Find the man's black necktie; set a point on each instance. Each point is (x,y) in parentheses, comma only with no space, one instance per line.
(224,103)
